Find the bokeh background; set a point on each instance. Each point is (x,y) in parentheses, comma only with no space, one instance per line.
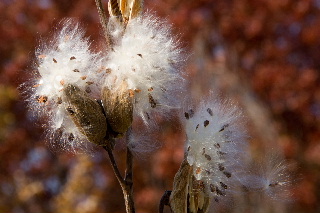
(263,54)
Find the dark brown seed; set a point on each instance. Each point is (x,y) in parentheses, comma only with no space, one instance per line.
(83,77)
(227,174)
(148,115)
(203,151)
(221,153)
(223,185)
(206,123)
(54,60)
(108,70)
(188,148)
(75,70)
(207,157)
(186,115)
(197,126)
(152,101)
(219,192)
(216,145)
(89,82)
(221,168)
(273,184)
(140,55)
(210,111)
(223,127)
(72,58)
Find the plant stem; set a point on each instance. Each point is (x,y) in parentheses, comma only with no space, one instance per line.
(129,177)
(127,183)
(114,166)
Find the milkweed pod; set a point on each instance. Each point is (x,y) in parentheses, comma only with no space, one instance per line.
(119,108)
(179,194)
(188,194)
(86,114)
(125,10)
(114,10)
(130,8)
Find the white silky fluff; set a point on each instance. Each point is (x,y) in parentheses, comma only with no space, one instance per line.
(66,59)
(148,58)
(271,177)
(216,145)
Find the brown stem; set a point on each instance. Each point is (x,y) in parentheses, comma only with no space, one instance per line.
(129,161)
(127,183)
(114,166)
(103,21)
(165,201)
(129,177)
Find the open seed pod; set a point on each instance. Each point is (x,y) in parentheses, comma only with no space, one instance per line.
(114,9)
(125,10)
(118,106)
(86,114)
(188,193)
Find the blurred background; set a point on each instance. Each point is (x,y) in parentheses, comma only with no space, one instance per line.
(263,54)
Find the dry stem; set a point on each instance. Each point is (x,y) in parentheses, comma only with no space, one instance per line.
(126,183)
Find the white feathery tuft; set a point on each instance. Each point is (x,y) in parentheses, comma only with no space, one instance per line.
(271,177)
(148,58)
(216,145)
(65,60)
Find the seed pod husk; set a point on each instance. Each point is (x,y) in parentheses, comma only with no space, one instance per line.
(130,9)
(179,194)
(187,188)
(118,108)
(86,114)
(114,9)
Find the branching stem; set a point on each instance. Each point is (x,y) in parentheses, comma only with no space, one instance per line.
(126,183)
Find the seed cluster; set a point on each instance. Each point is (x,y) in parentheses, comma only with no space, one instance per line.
(213,138)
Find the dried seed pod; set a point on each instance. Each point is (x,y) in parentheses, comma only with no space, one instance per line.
(119,108)
(114,10)
(179,194)
(86,114)
(188,194)
(125,10)
(198,199)
(130,8)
